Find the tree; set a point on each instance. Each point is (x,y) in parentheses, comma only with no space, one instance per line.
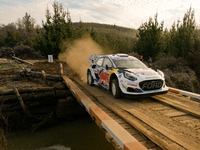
(13,38)
(28,23)
(183,36)
(26,27)
(80,30)
(150,39)
(93,34)
(56,30)
(69,28)
(20,25)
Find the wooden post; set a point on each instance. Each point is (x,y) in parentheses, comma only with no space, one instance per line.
(21,101)
(44,76)
(23,71)
(61,69)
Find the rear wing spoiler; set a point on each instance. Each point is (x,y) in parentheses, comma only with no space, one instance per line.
(92,58)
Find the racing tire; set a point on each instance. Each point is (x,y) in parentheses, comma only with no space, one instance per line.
(115,89)
(90,79)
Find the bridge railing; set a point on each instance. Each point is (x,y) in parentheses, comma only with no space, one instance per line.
(185,93)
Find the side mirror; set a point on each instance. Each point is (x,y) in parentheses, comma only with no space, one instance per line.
(93,66)
(107,68)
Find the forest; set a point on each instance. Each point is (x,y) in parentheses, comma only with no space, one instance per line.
(176,49)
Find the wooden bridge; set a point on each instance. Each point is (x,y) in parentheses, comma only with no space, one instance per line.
(169,121)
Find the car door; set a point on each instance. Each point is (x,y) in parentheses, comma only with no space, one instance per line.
(97,67)
(103,73)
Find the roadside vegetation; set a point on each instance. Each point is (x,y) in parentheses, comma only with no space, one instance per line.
(176,51)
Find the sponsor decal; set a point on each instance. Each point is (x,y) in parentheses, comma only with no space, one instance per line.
(152,85)
(124,58)
(132,84)
(119,71)
(151,77)
(103,77)
(147,73)
(96,80)
(124,86)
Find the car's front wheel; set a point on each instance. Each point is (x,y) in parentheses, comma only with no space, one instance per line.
(115,89)
(90,79)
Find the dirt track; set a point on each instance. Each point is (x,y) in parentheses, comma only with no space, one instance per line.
(52,68)
(9,72)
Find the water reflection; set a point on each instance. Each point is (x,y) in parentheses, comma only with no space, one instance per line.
(79,134)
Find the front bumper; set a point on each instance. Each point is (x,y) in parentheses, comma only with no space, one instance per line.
(134,88)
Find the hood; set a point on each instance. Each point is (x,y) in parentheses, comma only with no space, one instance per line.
(147,73)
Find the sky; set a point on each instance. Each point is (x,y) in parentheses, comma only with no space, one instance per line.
(125,13)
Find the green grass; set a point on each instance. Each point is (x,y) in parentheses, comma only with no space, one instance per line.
(3,88)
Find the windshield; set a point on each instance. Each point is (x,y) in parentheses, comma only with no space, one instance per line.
(129,64)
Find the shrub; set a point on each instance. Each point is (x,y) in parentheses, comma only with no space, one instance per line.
(178,74)
(24,52)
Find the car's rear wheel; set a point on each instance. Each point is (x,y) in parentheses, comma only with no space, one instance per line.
(90,79)
(115,89)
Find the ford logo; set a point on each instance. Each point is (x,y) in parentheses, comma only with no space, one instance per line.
(151,85)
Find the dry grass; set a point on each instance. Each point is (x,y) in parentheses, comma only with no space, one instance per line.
(9,64)
(3,88)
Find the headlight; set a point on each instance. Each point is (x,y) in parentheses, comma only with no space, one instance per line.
(161,73)
(130,76)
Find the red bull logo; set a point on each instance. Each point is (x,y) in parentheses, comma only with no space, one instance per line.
(104,75)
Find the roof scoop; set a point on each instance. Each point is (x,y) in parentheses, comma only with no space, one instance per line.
(122,55)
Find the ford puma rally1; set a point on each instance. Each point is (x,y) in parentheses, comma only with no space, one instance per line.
(124,74)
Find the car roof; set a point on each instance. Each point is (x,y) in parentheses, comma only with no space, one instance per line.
(120,55)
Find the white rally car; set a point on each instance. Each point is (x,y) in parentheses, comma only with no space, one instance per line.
(124,74)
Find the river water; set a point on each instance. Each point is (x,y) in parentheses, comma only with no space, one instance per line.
(79,134)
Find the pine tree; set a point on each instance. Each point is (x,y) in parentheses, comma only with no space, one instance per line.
(183,36)
(150,39)
(80,30)
(28,23)
(56,30)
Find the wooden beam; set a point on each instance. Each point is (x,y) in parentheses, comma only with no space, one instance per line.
(22,60)
(26,90)
(178,104)
(128,116)
(21,101)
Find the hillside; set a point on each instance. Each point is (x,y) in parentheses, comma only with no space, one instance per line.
(106,28)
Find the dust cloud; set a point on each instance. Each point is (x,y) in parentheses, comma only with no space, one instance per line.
(76,56)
